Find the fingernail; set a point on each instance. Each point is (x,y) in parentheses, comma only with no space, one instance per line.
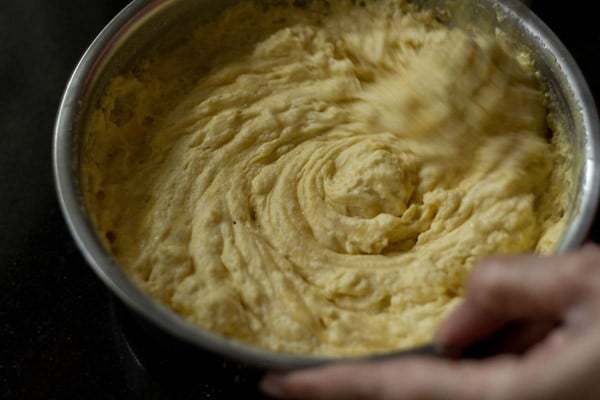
(272,384)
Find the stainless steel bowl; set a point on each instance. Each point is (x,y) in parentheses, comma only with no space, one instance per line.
(124,40)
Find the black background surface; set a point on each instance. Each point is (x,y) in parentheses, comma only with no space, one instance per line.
(58,336)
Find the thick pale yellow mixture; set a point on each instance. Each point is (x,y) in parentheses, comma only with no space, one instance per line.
(321,179)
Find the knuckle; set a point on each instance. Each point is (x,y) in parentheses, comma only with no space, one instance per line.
(577,266)
(486,276)
(480,275)
(581,270)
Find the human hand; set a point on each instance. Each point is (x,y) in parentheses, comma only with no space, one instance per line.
(552,305)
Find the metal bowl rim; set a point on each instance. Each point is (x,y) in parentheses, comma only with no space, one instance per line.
(66,184)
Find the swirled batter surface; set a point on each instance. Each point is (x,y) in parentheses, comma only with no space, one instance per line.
(321,179)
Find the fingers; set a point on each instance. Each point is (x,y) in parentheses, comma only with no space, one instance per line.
(575,374)
(507,289)
(465,326)
(415,378)
(514,338)
(521,287)
(534,292)
(551,372)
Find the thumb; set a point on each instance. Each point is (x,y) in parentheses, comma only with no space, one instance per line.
(518,288)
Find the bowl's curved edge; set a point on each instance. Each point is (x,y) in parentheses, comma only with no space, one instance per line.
(64,163)
(589,181)
(64,169)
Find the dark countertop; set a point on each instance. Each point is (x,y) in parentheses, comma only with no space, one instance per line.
(62,335)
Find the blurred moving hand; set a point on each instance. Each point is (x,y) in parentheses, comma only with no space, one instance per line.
(544,313)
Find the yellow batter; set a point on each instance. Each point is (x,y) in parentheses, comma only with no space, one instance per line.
(321,179)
